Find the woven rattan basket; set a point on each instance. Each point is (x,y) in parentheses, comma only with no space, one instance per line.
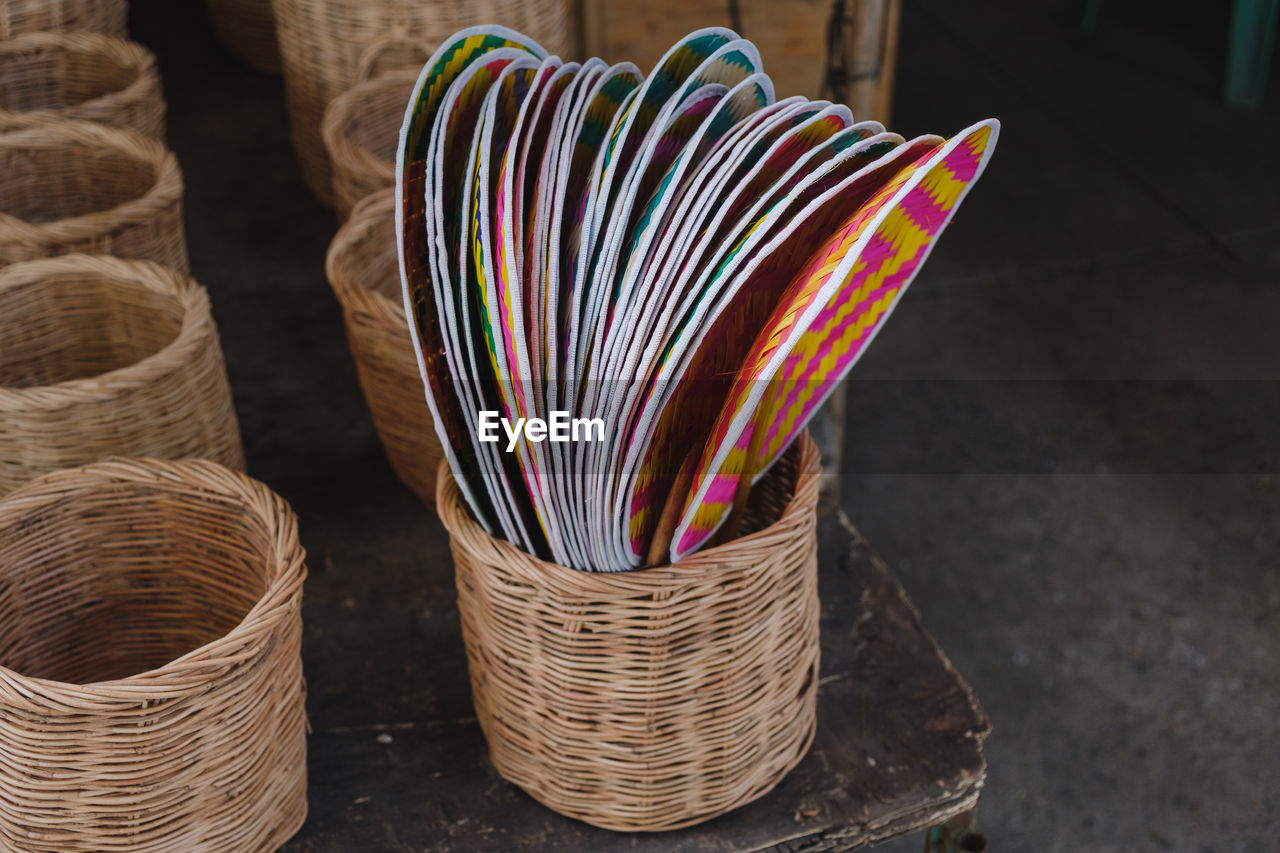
(248,29)
(101,356)
(27,16)
(85,76)
(151,691)
(83,187)
(361,130)
(324,44)
(363,271)
(653,699)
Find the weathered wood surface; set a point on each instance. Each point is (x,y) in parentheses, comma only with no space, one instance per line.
(898,746)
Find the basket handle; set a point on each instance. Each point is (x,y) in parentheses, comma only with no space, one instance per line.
(398,38)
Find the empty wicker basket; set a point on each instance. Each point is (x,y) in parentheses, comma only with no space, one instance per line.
(85,76)
(248,29)
(99,16)
(77,186)
(361,131)
(324,43)
(653,699)
(364,272)
(151,690)
(100,357)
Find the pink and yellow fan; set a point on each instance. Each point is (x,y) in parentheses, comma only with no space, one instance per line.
(822,325)
(697,375)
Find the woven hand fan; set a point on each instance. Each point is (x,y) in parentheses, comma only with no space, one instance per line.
(826,319)
(452,163)
(749,208)
(588,129)
(613,320)
(544,217)
(521,295)
(578,184)
(424,320)
(523,225)
(503,329)
(707,56)
(629,131)
(743,284)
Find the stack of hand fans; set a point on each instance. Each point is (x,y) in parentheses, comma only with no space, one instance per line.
(675,271)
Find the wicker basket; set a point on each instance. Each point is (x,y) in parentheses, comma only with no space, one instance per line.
(85,76)
(99,357)
(324,43)
(361,131)
(653,699)
(83,187)
(363,271)
(248,29)
(151,697)
(99,16)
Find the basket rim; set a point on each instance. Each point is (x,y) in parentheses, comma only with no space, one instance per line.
(161,280)
(343,108)
(126,54)
(23,130)
(368,213)
(194,670)
(698,566)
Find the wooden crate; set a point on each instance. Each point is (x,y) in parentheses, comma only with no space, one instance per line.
(792,36)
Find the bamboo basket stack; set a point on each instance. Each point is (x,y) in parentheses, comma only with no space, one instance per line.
(151,690)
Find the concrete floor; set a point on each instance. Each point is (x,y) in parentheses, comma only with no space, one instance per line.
(1065,444)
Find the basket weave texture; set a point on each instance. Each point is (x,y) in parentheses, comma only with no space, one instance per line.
(101,357)
(361,130)
(82,76)
(248,29)
(27,16)
(77,186)
(327,46)
(653,699)
(364,272)
(151,697)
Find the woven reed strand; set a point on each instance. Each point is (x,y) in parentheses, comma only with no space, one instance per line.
(248,29)
(364,272)
(27,16)
(82,76)
(326,47)
(77,186)
(99,357)
(361,130)
(151,692)
(653,699)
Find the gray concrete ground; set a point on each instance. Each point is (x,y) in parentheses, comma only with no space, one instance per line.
(1065,444)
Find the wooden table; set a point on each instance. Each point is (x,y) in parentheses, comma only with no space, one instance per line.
(898,746)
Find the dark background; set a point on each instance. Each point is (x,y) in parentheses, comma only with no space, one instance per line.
(1066,444)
